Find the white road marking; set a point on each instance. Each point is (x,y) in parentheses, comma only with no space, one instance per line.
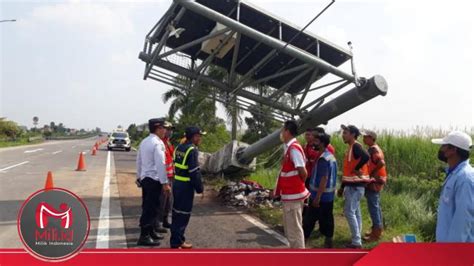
(74,146)
(85,152)
(104,217)
(11,166)
(31,151)
(56,152)
(265,228)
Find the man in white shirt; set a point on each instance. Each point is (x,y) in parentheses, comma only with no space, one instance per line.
(291,185)
(151,175)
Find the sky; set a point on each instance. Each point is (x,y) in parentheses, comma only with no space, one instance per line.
(76,62)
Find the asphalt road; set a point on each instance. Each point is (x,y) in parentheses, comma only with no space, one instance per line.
(114,205)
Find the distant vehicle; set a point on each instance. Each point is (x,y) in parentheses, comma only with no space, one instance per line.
(119,140)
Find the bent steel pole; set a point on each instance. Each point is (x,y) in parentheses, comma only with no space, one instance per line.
(373,87)
(270,41)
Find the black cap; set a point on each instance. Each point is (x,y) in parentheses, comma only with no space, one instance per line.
(191,131)
(352,129)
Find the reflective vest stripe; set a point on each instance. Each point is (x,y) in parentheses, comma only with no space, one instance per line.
(182,178)
(183,165)
(328,189)
(296,196)
(363,178)
(289,174)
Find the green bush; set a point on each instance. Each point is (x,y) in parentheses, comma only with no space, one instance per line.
(215,139)
(9,129)
(265,177)
(406,209)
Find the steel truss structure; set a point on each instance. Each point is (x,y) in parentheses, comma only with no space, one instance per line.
(266,51)
(256,49)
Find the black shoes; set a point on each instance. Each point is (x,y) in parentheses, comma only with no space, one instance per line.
(161,230)
(166,224)
(328,242)
(155,236)
(146,239)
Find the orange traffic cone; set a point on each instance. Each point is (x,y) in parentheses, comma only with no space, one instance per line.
(94,150)
(81,164)
(49,181)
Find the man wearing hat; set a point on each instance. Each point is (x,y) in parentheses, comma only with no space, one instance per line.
(355,176)
(151,176)
(187,180)
(378,177)
(456,205)
(162,222)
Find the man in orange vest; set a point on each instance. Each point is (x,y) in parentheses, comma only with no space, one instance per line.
(162,222)
(291,185)
(355,176)
(378,175)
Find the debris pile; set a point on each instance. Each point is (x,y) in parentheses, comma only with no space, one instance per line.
(246,194)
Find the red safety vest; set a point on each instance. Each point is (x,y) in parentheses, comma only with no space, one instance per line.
(289,185)
(169,158)
(312,156)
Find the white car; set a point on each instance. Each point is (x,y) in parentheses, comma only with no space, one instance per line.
(119,140)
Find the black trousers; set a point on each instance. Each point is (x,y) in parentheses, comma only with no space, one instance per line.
(165,206)
(323,215)
(151,191)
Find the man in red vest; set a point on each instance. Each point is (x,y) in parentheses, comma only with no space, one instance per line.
(310,152)
(291,185)
(162,222)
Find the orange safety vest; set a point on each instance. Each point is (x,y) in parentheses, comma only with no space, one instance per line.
(382,172)
(289,185)
(348,174)
(169,158)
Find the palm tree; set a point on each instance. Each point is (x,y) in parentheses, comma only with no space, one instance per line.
(180,98)
(202,97)
(233,112)
(186,102)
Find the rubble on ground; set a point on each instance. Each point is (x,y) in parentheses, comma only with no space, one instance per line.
(246,194)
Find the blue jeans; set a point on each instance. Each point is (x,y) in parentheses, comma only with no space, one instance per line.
(373,204)
(352,197)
